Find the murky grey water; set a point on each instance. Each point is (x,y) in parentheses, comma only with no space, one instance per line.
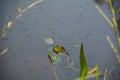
(68,22)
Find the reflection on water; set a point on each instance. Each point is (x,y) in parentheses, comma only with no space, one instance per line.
(68,23)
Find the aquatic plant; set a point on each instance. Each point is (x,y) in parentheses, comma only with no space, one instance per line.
(118,10)
(20,11)
(5,28)
(4,31)
(114,48)
(84,72)
(83,64)
(114,24)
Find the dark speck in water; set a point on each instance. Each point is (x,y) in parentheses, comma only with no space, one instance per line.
(86,4)
(0,13)
(26,61)
(28,36)
(45,67)
(10,48)
(21,22)
(14,55)
(80,13)
(4,62)
(31,70)
(25,29)
(44,73)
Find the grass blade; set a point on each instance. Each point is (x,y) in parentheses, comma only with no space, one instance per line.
(114,48)
(103,14)
(97,72)
(83,64)
(30,6)
(4,51)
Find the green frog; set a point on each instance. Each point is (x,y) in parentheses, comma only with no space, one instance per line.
(58,49)
(53,57)
(55,53)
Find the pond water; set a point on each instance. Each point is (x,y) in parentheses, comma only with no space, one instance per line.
(68,23)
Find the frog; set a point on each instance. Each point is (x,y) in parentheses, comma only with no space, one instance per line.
(53,57)
(58,49)
(55,51)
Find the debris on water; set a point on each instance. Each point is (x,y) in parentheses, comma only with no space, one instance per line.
(92,70)
(31,70)
(10,23)
(4,51)
(25,61)
(49,41)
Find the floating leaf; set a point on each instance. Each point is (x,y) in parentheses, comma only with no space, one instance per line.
(83,64)
(4,51)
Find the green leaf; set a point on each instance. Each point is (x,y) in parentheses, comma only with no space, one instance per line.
(97,72)
(83,64)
